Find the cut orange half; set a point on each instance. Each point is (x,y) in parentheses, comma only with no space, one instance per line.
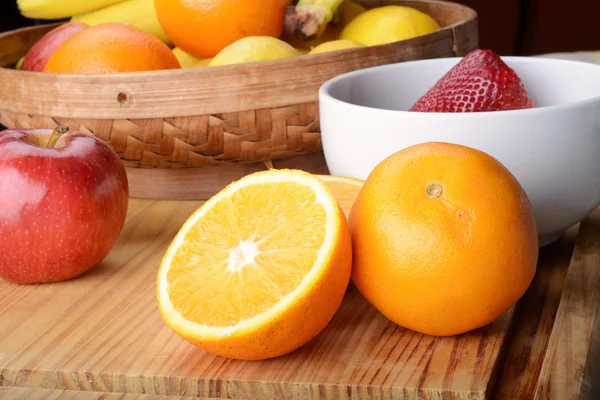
(258,270)
(344,189)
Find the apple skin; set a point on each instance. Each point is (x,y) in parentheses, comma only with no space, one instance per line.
(37,57)
(61,209)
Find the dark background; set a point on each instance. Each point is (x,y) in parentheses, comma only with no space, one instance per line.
(527,27)
(509,27)
(10,18)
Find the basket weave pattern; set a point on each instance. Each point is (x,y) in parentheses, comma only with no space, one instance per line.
(179,142)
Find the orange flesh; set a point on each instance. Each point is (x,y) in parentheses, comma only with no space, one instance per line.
(344,189)
(219,277)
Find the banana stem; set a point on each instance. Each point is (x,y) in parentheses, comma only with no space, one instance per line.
(308,19)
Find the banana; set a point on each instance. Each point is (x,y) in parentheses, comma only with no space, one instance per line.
(20,63)
(139,13)
(309,18)
(346,12)
(58,9)
(188,61)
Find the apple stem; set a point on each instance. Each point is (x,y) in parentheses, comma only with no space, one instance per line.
(56,134)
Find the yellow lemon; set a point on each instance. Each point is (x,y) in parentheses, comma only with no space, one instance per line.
(203,62)
(336,45)
(388,24)
(252,49)
(348,11)
(189,61)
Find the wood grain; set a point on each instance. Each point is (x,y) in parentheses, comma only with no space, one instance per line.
(48,394)
(102,332)
(535,315)
(203,183)
(571,365)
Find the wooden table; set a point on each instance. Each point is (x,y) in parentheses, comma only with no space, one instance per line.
(553,353)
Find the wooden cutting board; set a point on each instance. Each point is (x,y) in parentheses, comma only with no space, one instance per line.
(102,332)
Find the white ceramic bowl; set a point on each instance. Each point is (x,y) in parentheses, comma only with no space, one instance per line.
(553,149)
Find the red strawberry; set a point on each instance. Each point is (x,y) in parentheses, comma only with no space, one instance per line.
(481,81)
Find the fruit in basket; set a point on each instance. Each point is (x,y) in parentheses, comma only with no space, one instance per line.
(37,57)
(252,49)
(481,81)
(111,48)
(204,28)
(64,201)
(331,33)
(19,64)
(251,278)
(347,11)
(336,45)
(444,239)
(58,9)
(309,18)
(139,13)
(389,24)
(188,61)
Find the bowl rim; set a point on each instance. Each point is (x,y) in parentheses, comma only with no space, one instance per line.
(326,96)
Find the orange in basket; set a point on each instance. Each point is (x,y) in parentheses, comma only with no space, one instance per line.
(111,48)
(204,28)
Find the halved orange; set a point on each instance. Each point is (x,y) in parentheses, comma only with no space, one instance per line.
(258,270)
(344,189)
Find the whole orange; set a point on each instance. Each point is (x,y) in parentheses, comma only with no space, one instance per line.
(110,48)
(203,28)
(444,239)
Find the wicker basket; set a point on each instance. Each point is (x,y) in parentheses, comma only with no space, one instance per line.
(185,134)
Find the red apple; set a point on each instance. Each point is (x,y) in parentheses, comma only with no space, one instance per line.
(63,201)
(37,57)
